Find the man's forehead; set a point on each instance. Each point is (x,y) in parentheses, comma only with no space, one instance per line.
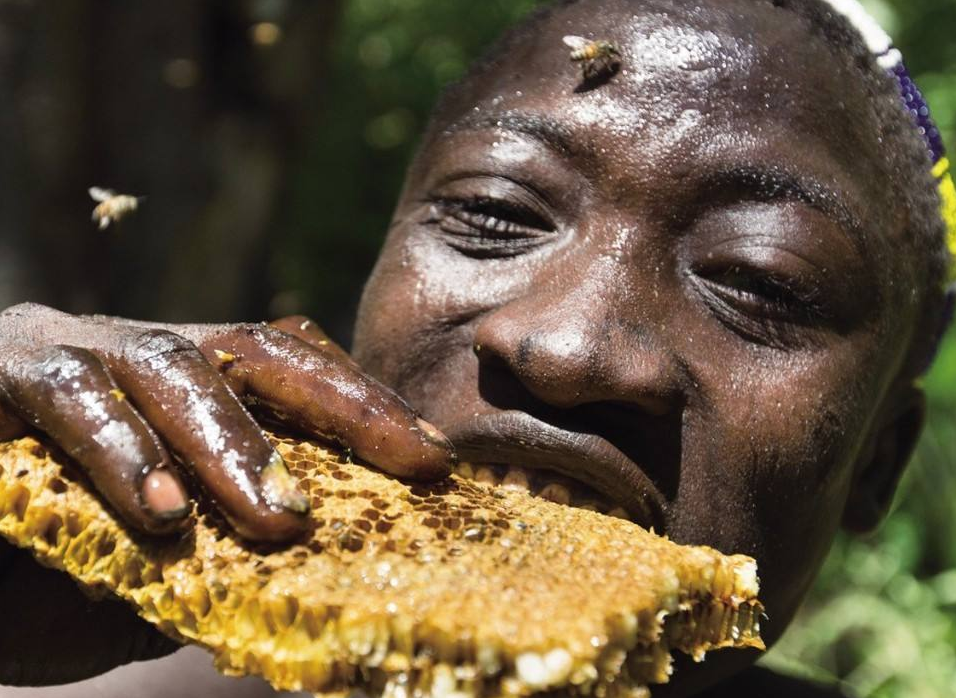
(739,77)
(724,54)
(657,38)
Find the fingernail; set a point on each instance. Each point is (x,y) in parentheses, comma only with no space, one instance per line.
(432,433)
(164,495)
(279,487)
(442,457)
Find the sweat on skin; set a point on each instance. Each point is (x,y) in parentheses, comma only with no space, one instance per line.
(641,284)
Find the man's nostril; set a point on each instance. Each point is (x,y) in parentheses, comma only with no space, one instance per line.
(491,353)
(654,405)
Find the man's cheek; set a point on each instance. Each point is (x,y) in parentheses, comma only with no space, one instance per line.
(449,282)
(412,335)
(386,326)
(766,454)
(801,483)
(802,448)
(801,467)
(801,479)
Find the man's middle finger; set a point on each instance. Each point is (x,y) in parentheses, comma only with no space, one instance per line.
(319,393)
(183,397)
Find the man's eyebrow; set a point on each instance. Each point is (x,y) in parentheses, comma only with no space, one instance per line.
(538,127)
(758,183)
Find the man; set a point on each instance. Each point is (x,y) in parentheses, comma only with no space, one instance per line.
(639,281)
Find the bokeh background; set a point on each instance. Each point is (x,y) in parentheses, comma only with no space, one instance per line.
(271,137)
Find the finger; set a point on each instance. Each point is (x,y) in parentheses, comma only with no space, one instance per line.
(306,330)
(186,401)
(11,426)
(319,394)
(68,394)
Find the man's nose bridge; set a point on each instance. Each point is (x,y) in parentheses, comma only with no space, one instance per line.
(595,308)
(596,322)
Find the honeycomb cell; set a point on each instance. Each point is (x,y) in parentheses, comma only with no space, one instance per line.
(351,540)
(50,530)
(105,547)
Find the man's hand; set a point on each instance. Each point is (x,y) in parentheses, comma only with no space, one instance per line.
(120,397)
(133,403)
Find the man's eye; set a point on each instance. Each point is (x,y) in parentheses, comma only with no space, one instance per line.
(483,227)
(747,286)
(758,304)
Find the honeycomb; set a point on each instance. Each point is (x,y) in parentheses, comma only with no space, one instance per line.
(456,589)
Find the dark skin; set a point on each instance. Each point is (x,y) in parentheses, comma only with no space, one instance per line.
(642,285)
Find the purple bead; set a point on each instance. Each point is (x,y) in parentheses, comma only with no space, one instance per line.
(917,106)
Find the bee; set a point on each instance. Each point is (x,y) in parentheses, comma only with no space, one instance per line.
(597,58)
(112,206)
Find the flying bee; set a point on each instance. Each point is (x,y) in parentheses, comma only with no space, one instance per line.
(597,58)
(112,206)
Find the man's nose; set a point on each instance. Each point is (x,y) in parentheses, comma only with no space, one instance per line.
(582,345)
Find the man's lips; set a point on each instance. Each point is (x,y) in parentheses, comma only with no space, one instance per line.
(517,438)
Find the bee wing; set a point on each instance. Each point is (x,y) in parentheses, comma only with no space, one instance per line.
(100,194)
(575,42)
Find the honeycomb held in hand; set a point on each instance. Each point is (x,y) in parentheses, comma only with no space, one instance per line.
(452,589)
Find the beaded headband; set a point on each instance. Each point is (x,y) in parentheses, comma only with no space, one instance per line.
(891,60)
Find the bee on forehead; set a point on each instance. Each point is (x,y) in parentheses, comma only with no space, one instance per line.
(598,58)
(112,206)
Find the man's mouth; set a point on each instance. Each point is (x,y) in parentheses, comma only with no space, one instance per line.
(514,449)
(544,484)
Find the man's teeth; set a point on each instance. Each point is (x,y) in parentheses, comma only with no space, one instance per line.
(544,484)
(556,493)
(516,479)
(485,474)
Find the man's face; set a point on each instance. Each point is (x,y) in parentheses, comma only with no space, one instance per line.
(671,286)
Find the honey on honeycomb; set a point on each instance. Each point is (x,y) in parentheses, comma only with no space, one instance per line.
(456,589)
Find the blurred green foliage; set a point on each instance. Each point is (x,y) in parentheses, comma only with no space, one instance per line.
(882,618)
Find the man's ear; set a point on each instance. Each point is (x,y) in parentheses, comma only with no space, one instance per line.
(883,462)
